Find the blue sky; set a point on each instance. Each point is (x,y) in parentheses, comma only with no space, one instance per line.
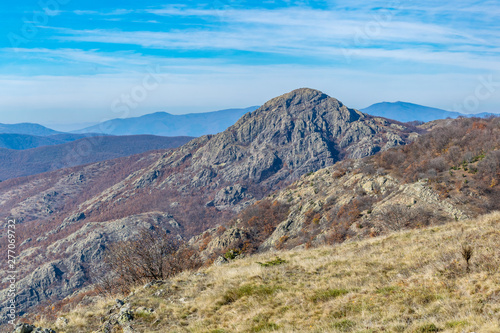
(71,61)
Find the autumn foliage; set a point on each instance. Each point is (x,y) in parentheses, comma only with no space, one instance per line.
(461,159)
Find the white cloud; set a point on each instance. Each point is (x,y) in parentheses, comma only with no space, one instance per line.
(85,12)
(96,57)
(338,40)
(313,33)
(115,12)
(119,12)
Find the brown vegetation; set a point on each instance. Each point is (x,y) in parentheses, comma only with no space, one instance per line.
(19,163)
(153,256)
(258,222)
(461,159)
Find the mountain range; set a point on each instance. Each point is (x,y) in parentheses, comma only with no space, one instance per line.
(166,124)
(27,128)
(406,112)
(194,124)
(19,163)
(26,141)
(198,124)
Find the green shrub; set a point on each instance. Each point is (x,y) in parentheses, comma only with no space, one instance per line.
(262,323)
(232,254)
(388,290)
(427,328)
(235,294)
(264,327)
(275,262)
(456,323)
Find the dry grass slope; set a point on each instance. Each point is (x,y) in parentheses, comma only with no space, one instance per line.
(411,281)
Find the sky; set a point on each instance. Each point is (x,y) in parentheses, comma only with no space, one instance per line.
(75,62)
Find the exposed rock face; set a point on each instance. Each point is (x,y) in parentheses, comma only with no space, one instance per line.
(80,250)
(229,196)
(206,179)
(395,207)
(293,134)
(317,200)
(122,314)
(26,328)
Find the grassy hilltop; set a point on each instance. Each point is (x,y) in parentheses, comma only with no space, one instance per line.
(410,281)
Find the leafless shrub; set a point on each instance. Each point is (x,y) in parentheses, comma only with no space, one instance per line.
(259,221)
(391,159)
(438,163)
(489,168)
(454,155)
(467,251)
(398,216)
(153,255)
(368,169)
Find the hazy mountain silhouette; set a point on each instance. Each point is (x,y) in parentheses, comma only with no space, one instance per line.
(166,124)
(406,112)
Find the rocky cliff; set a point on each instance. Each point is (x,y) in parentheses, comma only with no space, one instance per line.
(333,205)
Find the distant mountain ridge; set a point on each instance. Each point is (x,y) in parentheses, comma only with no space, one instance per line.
(198,124)
(26,141)
(19,163)
(406,112)
(30,135)
(27,128)
(166,124)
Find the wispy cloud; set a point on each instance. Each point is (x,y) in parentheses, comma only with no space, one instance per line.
(311,33)
(85,12)
(115,12)
(424,52)
(80,56)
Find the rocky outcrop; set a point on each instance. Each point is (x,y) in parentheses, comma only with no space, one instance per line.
(78,251)
(299,132)
(122,315)
(395,205)
(230,196)
(293,134)
(27,328)
(339,204)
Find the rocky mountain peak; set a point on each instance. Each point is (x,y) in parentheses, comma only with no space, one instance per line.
(290,135)
(188,190)
(298,96)
(300,100)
